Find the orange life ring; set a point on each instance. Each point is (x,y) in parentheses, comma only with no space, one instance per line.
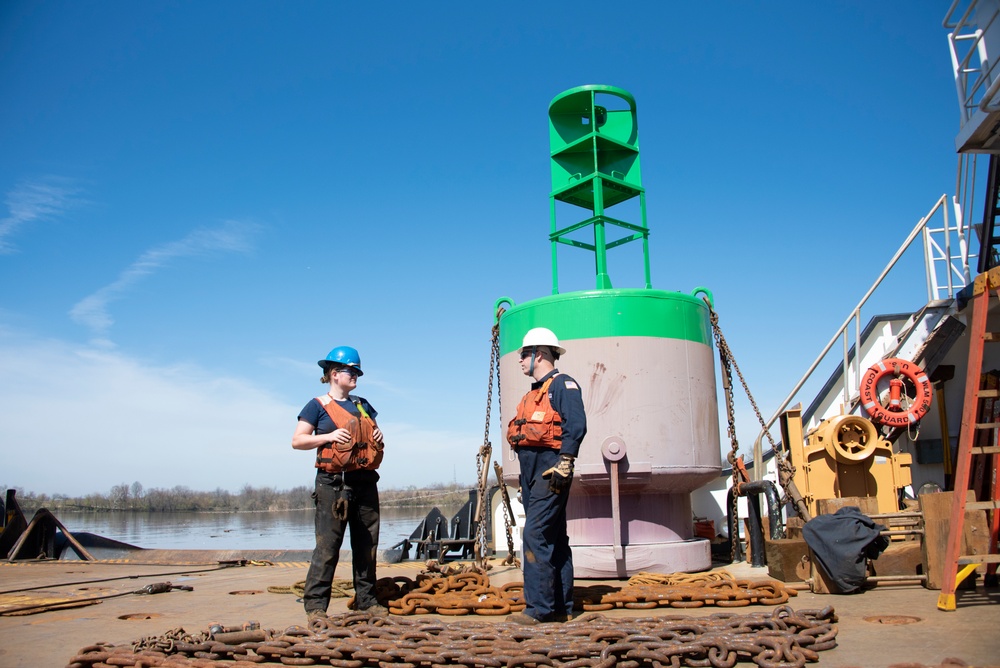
(894,414)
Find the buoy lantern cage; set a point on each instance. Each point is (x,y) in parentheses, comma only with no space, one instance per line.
(904,397)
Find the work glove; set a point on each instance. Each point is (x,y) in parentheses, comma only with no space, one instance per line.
(561,475)
(341,502)
(340,508)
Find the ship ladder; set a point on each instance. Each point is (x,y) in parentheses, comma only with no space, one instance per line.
(976,438)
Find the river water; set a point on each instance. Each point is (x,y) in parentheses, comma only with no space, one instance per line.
(285,530)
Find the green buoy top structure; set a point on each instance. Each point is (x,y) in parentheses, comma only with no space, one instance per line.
(595,166)
(643,357)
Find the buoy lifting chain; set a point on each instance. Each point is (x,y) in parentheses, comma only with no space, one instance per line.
(481,544)
(508,518)
(463,590)
(782,637)
(726,355)
(786,472)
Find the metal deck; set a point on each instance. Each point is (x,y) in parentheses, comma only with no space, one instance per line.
(869,630)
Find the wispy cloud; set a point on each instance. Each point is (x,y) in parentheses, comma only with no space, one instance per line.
(32,201)
(176,407)
(231,237)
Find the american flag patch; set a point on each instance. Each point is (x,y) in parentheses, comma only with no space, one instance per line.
(570,385)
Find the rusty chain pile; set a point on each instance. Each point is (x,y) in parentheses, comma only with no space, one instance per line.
(471,594)
(463,594)
(778,639)
(724,593)
(646,577)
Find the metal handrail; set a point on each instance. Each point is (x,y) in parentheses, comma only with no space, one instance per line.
(951,10)
(855,316)
(962,71)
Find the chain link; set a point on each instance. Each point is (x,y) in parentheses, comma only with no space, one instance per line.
(782,638)
(727,354)
(507,518)
(786,472)
(481,547)
(727,387)
(726,362)
(470,592)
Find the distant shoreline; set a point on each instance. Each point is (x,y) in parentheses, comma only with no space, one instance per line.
(232,511)
(136,498)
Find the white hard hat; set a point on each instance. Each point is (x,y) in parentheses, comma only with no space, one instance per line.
(540,336)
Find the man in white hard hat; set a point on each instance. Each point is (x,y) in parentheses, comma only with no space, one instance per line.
(546,434)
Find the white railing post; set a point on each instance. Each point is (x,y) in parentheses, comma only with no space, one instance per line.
(959,78)
(929,271)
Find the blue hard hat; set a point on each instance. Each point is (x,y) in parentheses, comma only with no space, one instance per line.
(345,356)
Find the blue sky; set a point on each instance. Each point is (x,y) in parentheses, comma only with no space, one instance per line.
(199,199)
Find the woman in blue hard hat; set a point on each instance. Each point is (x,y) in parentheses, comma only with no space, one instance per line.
(341,428)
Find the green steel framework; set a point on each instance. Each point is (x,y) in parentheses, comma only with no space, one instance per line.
(594,143)
(595,165)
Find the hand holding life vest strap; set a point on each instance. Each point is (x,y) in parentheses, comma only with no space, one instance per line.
(378,445)
(360,452)
(536,423)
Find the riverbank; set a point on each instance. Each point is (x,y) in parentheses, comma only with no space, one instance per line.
(135,498)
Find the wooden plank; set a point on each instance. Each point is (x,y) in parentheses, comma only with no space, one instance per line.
(937,521)
(936,509)
(900,558)
(821,584)
(980,559)
(785,557)
(867,504)
(793,527)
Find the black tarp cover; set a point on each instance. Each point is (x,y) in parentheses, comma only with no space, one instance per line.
(842,543)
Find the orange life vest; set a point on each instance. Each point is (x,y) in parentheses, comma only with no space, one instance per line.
(536,422)
(361,452)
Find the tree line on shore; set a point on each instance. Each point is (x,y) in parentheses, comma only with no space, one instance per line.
(135,498)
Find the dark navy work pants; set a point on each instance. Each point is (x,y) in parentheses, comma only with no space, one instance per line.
(363,521)
(547,560)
